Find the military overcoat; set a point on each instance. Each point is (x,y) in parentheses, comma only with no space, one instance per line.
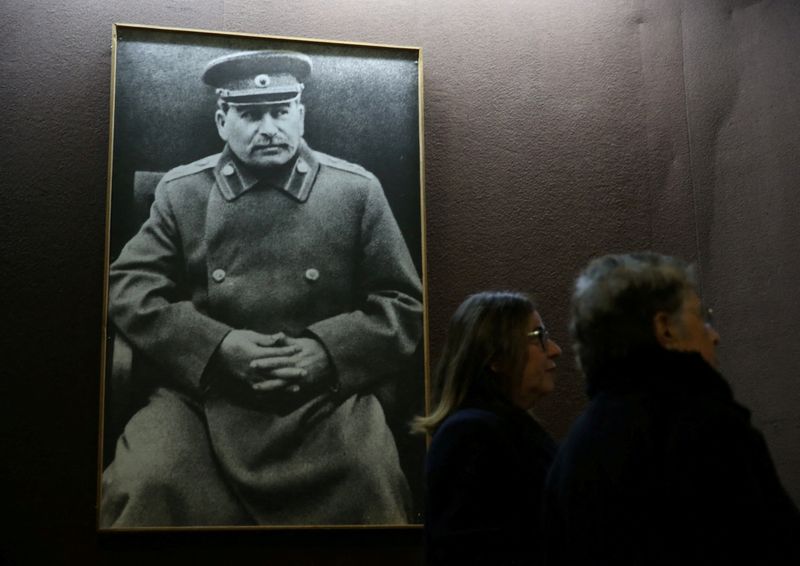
(315,251)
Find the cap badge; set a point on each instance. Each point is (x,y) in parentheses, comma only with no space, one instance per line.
(261,81)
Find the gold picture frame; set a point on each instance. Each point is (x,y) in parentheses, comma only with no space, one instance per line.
(186,442)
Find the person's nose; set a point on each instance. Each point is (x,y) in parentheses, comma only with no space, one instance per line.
(714,335)
(267,126)
(553,349)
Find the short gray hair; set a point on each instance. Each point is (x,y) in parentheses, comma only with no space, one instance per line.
(615,300)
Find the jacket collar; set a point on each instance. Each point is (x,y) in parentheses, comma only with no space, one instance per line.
(485,394)
(295,179)
(663,371)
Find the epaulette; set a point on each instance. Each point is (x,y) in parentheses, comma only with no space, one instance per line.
(191,168)
(336,163)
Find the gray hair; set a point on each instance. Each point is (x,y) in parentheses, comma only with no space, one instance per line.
(615,300)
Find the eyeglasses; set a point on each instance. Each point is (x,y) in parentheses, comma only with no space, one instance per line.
(708,314)
(541,335)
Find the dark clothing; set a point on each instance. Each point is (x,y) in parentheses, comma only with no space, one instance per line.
(312,251)
(664,467)
(485,475)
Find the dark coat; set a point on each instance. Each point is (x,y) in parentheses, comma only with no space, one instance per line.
(314,250)
(485,475)
(664,467)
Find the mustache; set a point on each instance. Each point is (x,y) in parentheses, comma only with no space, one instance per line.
(272,142)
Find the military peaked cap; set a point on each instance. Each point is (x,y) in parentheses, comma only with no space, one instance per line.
(258,77)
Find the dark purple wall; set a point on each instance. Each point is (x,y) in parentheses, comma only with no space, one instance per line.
(555,131)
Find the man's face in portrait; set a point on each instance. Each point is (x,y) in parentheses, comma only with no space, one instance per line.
(263,135)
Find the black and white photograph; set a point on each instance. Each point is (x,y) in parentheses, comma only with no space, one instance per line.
(265,328)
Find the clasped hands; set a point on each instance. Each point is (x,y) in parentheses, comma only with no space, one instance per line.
(270,362)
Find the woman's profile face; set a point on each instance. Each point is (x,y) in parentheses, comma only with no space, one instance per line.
(538,373)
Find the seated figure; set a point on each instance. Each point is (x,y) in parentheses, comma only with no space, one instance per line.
(269,294)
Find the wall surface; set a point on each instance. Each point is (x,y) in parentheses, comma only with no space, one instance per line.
(554,132)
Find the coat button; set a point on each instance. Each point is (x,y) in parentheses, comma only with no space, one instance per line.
(302,166)
(312,274)
(218,275)
(228,170)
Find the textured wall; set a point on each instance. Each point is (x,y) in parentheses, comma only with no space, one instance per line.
(555,131)
(743,86)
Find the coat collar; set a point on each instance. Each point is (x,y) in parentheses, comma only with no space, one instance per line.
(296,179)
(484,394)
(662,371)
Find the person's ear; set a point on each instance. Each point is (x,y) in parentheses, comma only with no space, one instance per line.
(220,119)
(499,366)
(665,330)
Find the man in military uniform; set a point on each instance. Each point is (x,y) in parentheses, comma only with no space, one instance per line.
(268,294)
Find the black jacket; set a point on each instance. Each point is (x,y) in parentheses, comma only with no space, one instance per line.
(664,467)
(485,474)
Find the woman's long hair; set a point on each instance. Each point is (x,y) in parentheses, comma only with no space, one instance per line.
(488,329)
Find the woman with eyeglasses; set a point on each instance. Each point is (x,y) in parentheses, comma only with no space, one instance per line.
(488,459)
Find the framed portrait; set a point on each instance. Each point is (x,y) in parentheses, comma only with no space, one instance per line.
(265,328)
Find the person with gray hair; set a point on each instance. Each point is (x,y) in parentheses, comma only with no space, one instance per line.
(663,466)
